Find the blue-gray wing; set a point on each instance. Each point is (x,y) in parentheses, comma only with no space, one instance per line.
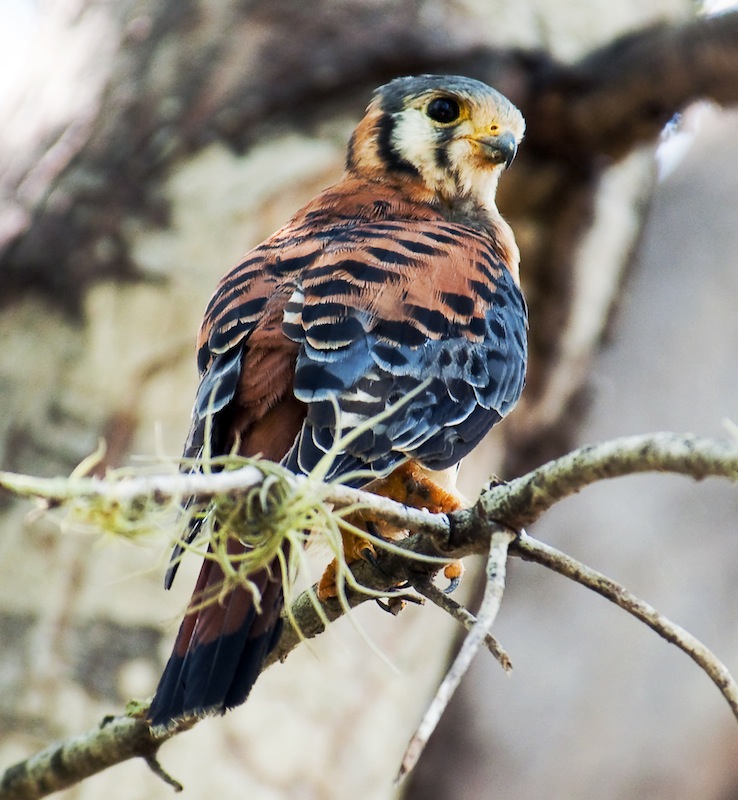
(412,344)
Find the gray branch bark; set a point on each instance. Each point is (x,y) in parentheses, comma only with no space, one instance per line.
(510,505)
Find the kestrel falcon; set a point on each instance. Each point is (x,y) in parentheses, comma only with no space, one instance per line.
(400,281)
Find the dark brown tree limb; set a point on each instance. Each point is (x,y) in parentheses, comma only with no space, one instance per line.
(622,95)
(609,102)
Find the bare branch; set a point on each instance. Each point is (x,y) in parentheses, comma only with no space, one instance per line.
(425,587)
(153,764)
(62,765)
(309,621)
(493,591)
(532,550)
(523,500)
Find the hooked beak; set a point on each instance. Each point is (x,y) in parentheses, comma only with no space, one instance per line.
(499,149)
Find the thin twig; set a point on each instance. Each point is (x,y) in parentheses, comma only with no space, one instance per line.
(493,591)
(533,550)
(514,504)
(425,587)
(153,764)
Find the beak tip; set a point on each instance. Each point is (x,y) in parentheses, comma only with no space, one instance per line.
(508,146)
(501,149)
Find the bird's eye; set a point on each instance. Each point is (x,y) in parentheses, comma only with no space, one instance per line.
(443,109)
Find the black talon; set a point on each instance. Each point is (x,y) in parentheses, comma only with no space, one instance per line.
(393,605)
(368,554)
(453,585)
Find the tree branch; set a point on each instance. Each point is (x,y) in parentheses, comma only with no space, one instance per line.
(493,590)
(62,765)
(524,500)
(125,488)
(428,589)
(622,95)
(532,550)
(511,506)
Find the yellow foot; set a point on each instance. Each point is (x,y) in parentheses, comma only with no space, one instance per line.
(414,486)
(355,548)
(328,585)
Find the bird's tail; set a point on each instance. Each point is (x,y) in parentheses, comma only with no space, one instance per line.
(221,646)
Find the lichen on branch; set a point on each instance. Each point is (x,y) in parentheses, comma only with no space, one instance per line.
(432,537)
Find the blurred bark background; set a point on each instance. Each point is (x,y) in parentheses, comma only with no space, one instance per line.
(145,146)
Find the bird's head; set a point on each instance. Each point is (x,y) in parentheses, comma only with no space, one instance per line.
(445,138)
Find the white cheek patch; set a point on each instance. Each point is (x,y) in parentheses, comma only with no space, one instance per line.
(465,175)
(460,161)
(414,139)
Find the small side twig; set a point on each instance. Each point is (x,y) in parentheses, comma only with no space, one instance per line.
(531,549)
(464,616)
(515,504)
(153,764)
(493,591)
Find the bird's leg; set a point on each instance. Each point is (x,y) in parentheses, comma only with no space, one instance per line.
(354,548)
(411,485)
